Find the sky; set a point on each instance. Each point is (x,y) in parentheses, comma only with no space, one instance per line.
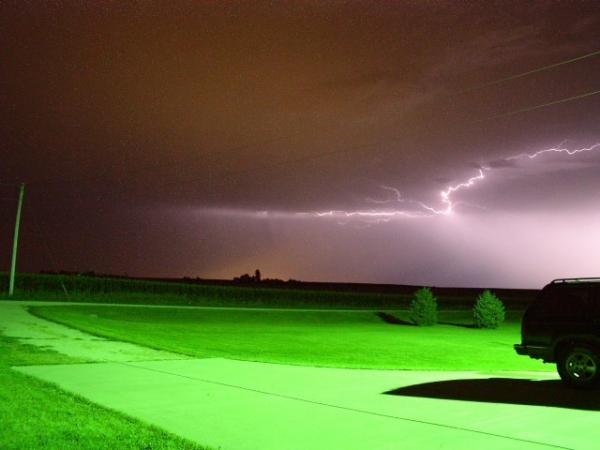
(349,141)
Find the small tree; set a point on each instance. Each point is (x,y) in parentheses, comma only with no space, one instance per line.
(488,311)
(423,308)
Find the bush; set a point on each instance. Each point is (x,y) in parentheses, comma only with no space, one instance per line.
(423,308)
(488,311)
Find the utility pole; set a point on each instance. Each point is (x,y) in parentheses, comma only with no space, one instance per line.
(13,263)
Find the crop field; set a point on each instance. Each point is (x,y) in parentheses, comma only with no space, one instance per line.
(73,288)
(352,339)
(95,289)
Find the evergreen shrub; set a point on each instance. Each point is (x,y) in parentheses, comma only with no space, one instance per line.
(423,308)
(488,311)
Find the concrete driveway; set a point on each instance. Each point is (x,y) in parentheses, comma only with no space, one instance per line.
(241,405)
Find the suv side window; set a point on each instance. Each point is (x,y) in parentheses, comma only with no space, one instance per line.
(567,302)
(595,301)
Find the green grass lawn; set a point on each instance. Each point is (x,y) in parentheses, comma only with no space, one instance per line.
(316,338)
(37,415)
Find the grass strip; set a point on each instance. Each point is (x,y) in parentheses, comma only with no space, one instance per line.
(39,415)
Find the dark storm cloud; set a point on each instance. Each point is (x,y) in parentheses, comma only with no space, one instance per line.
(114,112)
(197,94)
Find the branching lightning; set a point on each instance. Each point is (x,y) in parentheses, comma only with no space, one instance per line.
(451,189)
(447,203)
(412,208)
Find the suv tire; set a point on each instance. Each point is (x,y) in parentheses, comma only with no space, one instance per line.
(579,366)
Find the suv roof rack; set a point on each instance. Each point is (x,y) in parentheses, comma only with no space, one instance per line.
(576,280)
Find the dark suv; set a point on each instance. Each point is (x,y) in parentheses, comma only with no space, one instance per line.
(562,326)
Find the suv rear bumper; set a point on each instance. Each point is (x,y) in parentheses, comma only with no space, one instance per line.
(534,351)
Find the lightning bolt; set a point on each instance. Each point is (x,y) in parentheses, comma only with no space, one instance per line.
(448,204)
(386,215)
(558,149)
(451,189)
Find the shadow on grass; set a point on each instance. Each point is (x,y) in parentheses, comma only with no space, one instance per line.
(391,319)
(506,390)
(456,324)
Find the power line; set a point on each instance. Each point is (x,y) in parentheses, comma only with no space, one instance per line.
(529,72)
(323,155)
(320,155)
(543,105)
(473,88)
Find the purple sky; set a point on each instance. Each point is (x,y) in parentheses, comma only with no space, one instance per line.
(312,140)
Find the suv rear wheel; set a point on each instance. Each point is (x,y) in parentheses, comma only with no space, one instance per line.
(579,366)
